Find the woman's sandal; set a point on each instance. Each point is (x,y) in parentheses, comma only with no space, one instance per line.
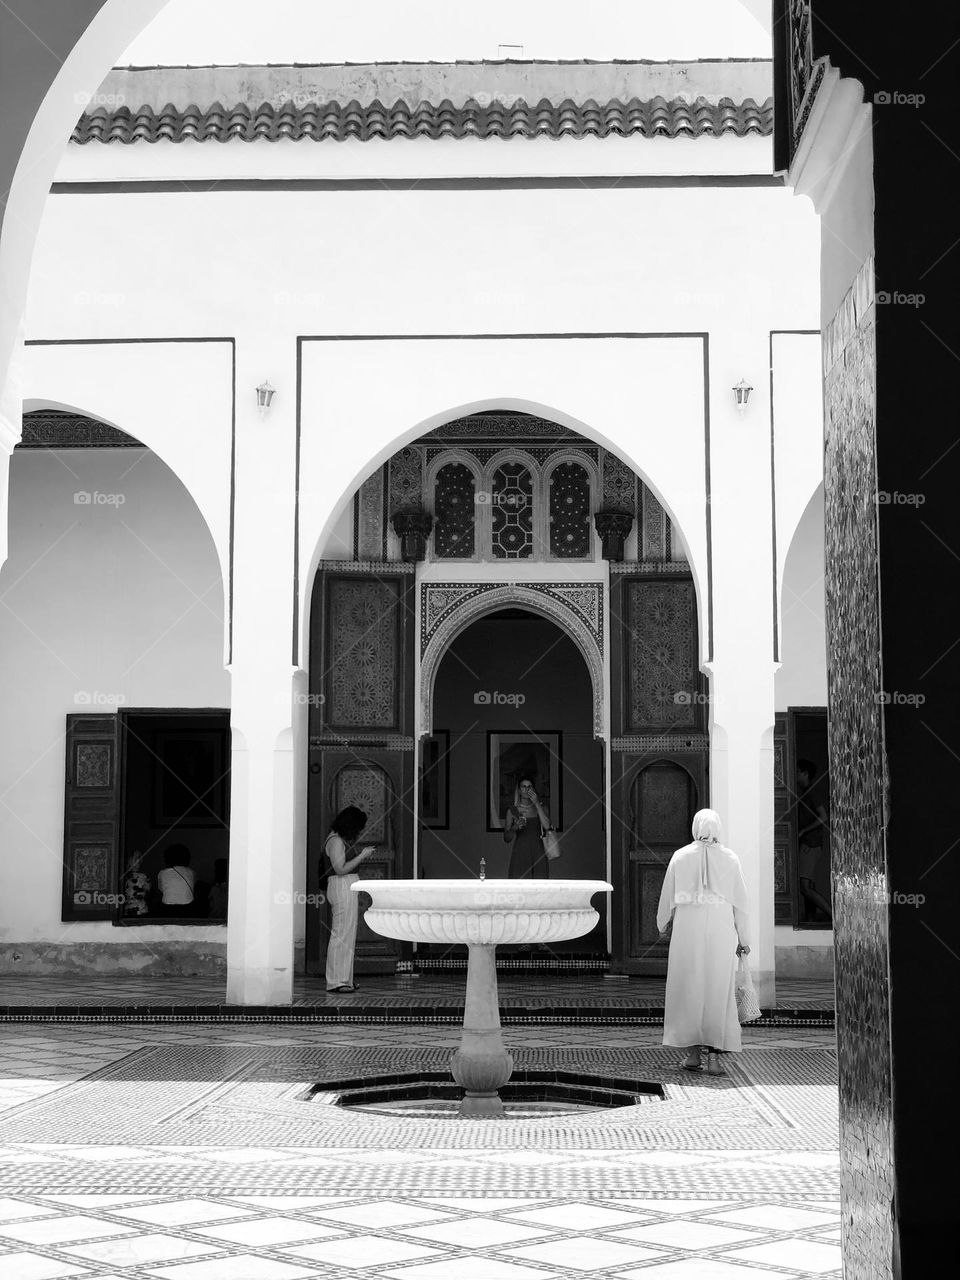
(714,1066)
(336,991)
(690,1063)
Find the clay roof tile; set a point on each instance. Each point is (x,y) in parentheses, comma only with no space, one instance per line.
(655,117)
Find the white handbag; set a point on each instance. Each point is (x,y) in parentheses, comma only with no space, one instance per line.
(748,1005)
(551,844)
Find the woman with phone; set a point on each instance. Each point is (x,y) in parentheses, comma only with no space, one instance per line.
(338,869)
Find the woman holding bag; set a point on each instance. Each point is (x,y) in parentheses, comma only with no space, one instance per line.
(703,905)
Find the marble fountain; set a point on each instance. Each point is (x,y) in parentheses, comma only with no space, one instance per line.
(480,915)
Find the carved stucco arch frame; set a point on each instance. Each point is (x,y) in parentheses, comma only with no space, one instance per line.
(550,607)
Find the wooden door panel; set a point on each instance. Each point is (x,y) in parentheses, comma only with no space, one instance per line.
(361,734)
(659,749)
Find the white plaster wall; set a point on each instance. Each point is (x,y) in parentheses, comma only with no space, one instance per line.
(103,604)
(802,678)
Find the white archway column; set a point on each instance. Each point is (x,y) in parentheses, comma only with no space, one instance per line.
(260,937)
(741,777)
(742,685)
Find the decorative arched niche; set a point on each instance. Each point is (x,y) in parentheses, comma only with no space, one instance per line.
(450,607)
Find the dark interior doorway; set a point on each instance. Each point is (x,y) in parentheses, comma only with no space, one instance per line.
(175,815)
(512,694)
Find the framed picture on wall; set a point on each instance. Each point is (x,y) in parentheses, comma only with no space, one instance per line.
(190,778)
(435,780)
(511,756)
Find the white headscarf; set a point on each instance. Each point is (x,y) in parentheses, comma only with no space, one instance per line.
(704,871)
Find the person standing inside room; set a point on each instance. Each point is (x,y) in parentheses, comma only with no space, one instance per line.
(526,819)
(812,846)
(176,882)
(704,905)
(217,898)
(338,868)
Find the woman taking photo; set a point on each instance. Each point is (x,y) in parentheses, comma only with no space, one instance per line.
(338,869)
(526,818)
(704,898)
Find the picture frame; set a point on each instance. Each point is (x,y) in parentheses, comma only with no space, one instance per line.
(190,778)
(435,780)
(510,754)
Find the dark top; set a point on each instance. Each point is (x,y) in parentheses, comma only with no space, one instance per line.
(808,802)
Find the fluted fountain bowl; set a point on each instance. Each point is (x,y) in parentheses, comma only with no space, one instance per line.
(481,912)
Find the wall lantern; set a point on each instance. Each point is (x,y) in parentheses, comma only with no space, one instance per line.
(741,394)
(265,394)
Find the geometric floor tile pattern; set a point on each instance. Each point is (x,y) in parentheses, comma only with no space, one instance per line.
(529,989)
(189,1152)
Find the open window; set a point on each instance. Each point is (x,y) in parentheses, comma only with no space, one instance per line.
(146,833)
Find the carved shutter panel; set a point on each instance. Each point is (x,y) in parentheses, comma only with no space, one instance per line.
(784,841)
(91,818)
(361,732)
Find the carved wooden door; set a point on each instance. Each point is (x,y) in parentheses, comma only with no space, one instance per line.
(361,733)
(658,750)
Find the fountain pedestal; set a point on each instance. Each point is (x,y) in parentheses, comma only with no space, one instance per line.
(481,914)
(481,1064)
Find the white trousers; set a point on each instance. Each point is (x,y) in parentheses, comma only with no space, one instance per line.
(343,930)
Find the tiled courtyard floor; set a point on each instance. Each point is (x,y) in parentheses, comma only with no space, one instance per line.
(536,990)
(189,1152)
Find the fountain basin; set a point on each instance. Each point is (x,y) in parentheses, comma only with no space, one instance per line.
(481,912)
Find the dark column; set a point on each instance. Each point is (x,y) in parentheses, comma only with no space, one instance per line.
(892,381)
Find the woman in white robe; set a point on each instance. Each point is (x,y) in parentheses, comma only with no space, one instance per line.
(705,898)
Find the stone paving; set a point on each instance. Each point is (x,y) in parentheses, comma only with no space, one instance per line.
(192,1152)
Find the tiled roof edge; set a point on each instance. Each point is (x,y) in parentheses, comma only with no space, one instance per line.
(337,121)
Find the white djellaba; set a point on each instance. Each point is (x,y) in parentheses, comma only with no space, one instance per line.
(705,897)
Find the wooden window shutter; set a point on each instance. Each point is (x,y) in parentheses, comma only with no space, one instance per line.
(91,818)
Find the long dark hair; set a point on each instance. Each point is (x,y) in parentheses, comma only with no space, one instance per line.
(349,822)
